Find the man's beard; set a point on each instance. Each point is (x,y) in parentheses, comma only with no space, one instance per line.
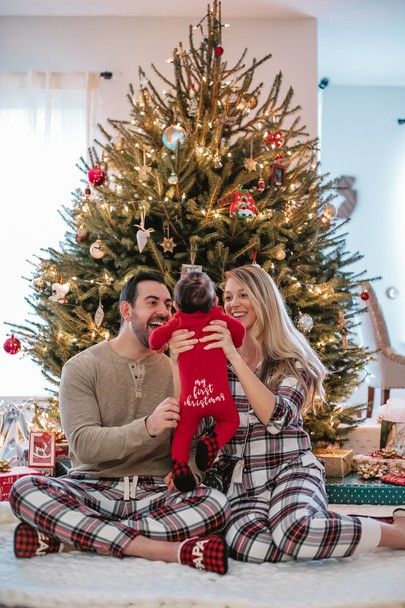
(142,332)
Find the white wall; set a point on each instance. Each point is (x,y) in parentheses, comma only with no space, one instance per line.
(121,44)
(361,138)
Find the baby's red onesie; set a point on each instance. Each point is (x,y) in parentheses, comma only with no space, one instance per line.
(204,380)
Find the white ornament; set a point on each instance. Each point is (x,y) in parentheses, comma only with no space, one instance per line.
(99,315)
(143,233)
(59,292)
(305,323)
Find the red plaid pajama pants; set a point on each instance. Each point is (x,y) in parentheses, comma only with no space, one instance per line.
(291,521)
(92,515)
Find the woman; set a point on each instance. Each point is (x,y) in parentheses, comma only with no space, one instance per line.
(274,483)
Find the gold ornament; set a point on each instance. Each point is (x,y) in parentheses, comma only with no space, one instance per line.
(168,244)
(250,164)
(280,254)
(251,101)
(97,249)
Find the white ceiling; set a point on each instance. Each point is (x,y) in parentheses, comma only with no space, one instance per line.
(360,41)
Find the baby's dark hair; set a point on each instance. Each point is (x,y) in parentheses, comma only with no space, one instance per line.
(194,292)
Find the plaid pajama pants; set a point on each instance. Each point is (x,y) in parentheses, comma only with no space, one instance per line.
(291,521)
(92,514)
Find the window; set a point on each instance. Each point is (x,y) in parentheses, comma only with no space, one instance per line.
(45,119)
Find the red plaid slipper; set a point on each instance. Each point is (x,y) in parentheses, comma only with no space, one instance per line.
(29,542)
(183,477)
(206,451)
(209,554)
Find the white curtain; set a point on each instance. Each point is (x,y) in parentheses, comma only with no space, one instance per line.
(46,121)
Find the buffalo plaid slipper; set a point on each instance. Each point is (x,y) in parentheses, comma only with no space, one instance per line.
(206,451)
(209,554)
(29,542)
(183,477)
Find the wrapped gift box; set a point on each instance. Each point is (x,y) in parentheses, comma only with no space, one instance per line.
(337,462)
(394,465)
(353,490)
(7,478)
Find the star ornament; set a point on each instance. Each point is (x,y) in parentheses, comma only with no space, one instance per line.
(168,244)
(250,164)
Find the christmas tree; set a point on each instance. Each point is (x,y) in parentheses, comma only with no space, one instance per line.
(204,173)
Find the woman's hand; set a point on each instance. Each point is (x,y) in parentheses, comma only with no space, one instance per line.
(219,337)
(181,341)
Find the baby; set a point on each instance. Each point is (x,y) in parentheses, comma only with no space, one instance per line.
(203,376)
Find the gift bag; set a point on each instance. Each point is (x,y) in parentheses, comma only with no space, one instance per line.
(13,433)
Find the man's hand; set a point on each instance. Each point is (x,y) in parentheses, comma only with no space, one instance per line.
(165,416)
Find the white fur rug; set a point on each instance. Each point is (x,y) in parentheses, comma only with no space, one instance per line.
(373,580)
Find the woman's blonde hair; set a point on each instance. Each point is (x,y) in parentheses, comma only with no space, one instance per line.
(285,351)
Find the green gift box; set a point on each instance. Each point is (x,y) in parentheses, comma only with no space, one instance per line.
(353,490)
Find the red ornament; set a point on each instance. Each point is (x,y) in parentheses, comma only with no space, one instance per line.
(364,296)
(96,176)
(243,205)
(277,174)
(87,191)
(218,51)
(274,139)
(261,185)
(12,345)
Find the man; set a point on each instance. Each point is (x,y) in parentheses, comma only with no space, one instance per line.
(117,412)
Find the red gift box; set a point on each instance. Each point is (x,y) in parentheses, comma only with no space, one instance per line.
(7,478)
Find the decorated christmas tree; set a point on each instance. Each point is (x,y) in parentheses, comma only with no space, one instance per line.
(206,172)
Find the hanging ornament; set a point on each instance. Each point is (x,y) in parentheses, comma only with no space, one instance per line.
(119,143)
(172,179)
(343,329)
(12,345)
(39,283)
(261,185)
(217,161)
(218,51)
(243,205)
(305,323)
(250,163)
(174,136)
(279,253)
(274,139)
(192,104)
(87,192)
(98,249)
(99,315)
(96,176)
(365,295)
(254,258)
(251,101)
(143,233)
(277,174)
(144,171)
(168,243)
(329,211)
(59,292)
(82,234)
